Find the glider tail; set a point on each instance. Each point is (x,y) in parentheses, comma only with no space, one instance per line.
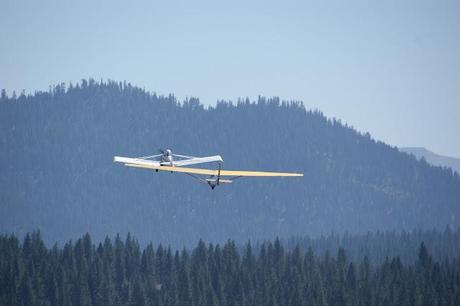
(218,174)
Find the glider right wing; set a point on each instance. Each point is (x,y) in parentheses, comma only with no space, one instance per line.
(211,172)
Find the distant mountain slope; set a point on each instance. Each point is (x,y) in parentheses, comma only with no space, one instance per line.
(433,158)
(57,171)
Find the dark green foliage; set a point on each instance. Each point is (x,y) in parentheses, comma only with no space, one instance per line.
(57,174)
(120,273)
(380,245)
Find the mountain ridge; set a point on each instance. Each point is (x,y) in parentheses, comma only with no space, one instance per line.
(58,176)
(433,158)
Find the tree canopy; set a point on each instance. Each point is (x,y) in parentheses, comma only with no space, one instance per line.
(119,272)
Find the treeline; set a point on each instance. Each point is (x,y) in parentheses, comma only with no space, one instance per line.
(119,272)
(377,246)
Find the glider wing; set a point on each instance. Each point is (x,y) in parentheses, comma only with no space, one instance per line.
(209,171)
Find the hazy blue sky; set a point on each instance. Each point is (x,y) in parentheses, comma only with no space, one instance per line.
(388,67)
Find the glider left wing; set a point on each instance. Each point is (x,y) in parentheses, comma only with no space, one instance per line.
(137,161)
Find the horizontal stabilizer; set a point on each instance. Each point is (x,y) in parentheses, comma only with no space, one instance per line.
(197,160)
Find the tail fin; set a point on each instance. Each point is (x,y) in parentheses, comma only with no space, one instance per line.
(218,174)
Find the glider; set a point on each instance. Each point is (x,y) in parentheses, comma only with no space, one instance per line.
(167,161)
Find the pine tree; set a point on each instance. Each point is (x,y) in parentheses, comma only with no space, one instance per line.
(3,96)
(26,294)
(138,297)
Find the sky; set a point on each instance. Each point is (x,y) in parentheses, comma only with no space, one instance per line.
(390,68)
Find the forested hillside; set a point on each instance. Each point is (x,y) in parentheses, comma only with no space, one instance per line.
(119,272)
(57,171)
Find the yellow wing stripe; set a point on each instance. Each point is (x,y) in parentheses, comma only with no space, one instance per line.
(213,172)
(256,173)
